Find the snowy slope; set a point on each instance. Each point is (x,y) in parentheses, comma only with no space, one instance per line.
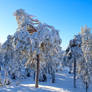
(64,83)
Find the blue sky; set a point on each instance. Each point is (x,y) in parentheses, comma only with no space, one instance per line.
(65,15)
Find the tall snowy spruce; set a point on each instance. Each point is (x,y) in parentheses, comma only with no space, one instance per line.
(32,42)
(87,52)
(74,56)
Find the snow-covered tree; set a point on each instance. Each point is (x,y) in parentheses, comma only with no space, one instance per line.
(73,56)
(46,40)
(87,52)
(21,49)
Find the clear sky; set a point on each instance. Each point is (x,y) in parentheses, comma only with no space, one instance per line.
(65,15)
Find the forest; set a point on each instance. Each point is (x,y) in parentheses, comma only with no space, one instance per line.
(34,54)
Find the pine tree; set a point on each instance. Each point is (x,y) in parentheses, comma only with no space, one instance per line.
(74,56)
(48,44)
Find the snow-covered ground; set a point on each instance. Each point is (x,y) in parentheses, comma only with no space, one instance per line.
(64,83)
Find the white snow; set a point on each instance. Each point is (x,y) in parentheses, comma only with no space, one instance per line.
(64,83)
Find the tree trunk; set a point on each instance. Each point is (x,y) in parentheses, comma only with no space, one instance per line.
(86,87)
(53,77)
(34,75)
(74,72)
(37,73)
